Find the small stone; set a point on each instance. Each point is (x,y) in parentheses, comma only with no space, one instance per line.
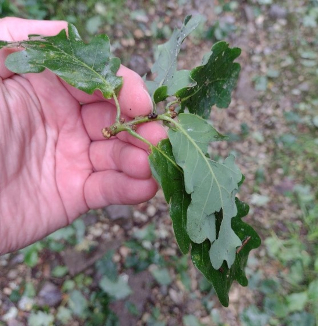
(162,233)
(138,64)
(127,42)
(277,12)
(286,185)
(249,13)
(115,229)
(234,295)
(7,291)
(164,290)
(4,260)
(17,259)
(175,296)
(12,274)
(140,217)
(26,304)
(95,231)
(12,313)
(141,17)
(124,251)
(304,87)
(90,219)
(116,258)
(139,34)
(13,285)
(49,295)
(151,211)
(120,214)
(14,322)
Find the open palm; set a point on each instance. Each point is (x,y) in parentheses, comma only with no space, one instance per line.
(55,164)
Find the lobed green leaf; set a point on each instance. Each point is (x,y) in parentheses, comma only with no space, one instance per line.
(212,186)
(168,80)
(170,177)
(223,277)
(87,67)
(215,80)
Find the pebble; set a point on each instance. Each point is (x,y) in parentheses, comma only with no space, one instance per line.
(116,258)
(138,64)
(175,296)
(13,285)
(118,212)
(277,12)
(234,295)
(17,259)
(13,273)
(115,228)
(140,217)
(95,231)
(151,211)
(124,251)
(127,42)
(12,313)
(7,291)
(25,304)
(162,233)
(249,13)
(14,322)
(4,260)
(139,34)
(49,295)
(164,290)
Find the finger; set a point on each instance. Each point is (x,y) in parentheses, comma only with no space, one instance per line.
(112,187)
(116,155)
(133,97)
(17,29)
(97,116)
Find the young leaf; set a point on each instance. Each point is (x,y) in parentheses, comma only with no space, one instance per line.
(223,278)
(87,67)
(215,80)
(168,80)
(170,177)
(212,185)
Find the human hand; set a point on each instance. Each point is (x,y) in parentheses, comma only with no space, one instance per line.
(55,164)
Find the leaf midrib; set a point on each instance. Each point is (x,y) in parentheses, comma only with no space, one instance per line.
(167,157)
(74,59)
(179,126)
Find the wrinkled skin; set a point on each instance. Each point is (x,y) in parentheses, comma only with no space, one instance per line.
(55,164)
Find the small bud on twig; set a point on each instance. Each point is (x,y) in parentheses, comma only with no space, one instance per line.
(106,133)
